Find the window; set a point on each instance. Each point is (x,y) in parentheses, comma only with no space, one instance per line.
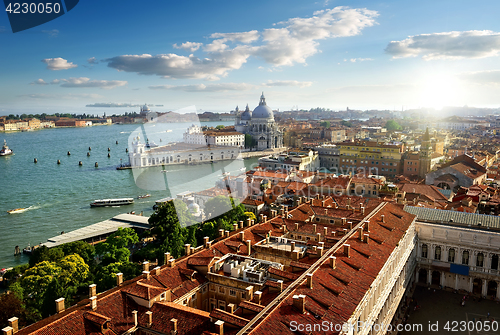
(424,250)
(232,292)
(494,262)
(465,257)
(212,288)
(451,255)
(221,289)
(480,259)
(437,253)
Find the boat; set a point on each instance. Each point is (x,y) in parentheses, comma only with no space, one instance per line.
(169,130)
(5,150)
(17,210)
(29,249)
(144,196)
(112,202)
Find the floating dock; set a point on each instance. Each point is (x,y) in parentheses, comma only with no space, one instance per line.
(101,230)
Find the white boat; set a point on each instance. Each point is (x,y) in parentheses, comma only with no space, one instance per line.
(17,210)
(112,202)
(169,130)
(144,196)
(5,150)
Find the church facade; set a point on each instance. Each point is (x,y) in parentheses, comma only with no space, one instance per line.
(260,125)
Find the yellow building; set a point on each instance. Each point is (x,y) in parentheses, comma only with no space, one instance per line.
(370,158)
(34,123)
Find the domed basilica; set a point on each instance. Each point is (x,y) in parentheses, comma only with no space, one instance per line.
(260,124)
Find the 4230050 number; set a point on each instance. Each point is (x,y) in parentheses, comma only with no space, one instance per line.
(38,8)
(478,326)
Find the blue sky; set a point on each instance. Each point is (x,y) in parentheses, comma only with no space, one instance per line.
(219,54)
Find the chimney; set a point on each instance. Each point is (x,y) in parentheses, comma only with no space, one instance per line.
(171,262)
(249,247)
(382,217)
(8,331)
(249,222)
(350,225)
(323,202)
(249,293)
(252,222)
(347,250)
(295,255)
(265,218)
(367,238)
(314,227)
(344,231)
(157,270)
(299,302)
(92,290)
(93,303)
(292,246)
(362,210)
(241,224)
(235,226)
(325,231)
(333,260)
(209,245)
(134,314)
(257,297)
(221,232)
(309,280)
(285,228)
(360,229)
(344,220)
(219,327)
(348,201)
(145,266)
(149,314)
(281,285)
(227,233)
(296,226)
(119,278)
(319,251)
(146,274)
(205,241)
(231,308)
(166,258)
(60,305)
(367,226)
(187,249)
(14,323)
(318,236)
(173,322)
(326,211)
(242,236)
(261,216)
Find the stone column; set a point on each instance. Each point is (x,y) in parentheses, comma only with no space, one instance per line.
(470,284)
(498,290)
(485,288)
(456,282)
(429,277)
(443,279)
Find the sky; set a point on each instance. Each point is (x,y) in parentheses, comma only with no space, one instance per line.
(216,55)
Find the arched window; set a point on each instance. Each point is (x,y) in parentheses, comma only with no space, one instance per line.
(424,250)
(437,253)
(465,257)
(451,255)
(494,262)
(480,259)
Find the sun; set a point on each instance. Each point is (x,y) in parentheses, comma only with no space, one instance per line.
(440,90)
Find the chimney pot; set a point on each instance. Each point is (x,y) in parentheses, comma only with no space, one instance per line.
(187,249)
(227,233)
(92,290)
(145,266)
(314,227)
(325,231)
(347,250)
(8,331)
(360,229)
(221,232)
(242,236)
(167,257)
(241,224)
(150,318)
(173,322)
(318,236)
(119,278)
(292,246)
(14,323)
(350,225)
(219,327)
(93,303)
(205,241)
(171,262)
(146,275)
(319,251)
(367,238)
(299,302)
(281,285)
(157,270)
(257,297)
(333,260)
(249,247)
(296,226)
(60,305)
(249,222)
(309,280)
(134,314)
(367,226)
(231,308)
(295,255)
(382,218)
(235,226)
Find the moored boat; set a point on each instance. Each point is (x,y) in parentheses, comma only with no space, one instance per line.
(112,202)
(5,150)
(144,196)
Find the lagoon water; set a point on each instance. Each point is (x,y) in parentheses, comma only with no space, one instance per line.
(59,195)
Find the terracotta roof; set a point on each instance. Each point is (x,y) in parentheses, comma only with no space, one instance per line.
(228,317)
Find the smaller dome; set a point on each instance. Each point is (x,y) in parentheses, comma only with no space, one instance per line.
(262,111)
(246,115)
(145,108)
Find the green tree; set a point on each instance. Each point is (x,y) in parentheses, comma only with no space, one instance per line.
(73,270)
(85,250)
(220,127)
(325,124)
(251,216)
(249,141)
(45,254)
(167,228)
(346,123)
(114,249)
(392,125)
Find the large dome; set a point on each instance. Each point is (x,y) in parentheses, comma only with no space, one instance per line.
(262,111)
(246,115)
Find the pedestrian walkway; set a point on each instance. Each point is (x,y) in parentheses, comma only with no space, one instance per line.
(441,312)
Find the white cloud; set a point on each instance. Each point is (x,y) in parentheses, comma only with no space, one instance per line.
(244,37)
(55,82)
(354,60)
(448,45)
(58,64)
(188,46)
(39,82)
(491,77)
(41,96)
(296,41)
(86,82)
(222,87)
(92,60)
(51,33)
(288,83)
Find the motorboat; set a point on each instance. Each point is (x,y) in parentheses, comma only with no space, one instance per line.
(17,210)
(112,202)
(5,150)
(144,196)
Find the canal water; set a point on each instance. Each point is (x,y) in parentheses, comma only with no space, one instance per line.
(58,196)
